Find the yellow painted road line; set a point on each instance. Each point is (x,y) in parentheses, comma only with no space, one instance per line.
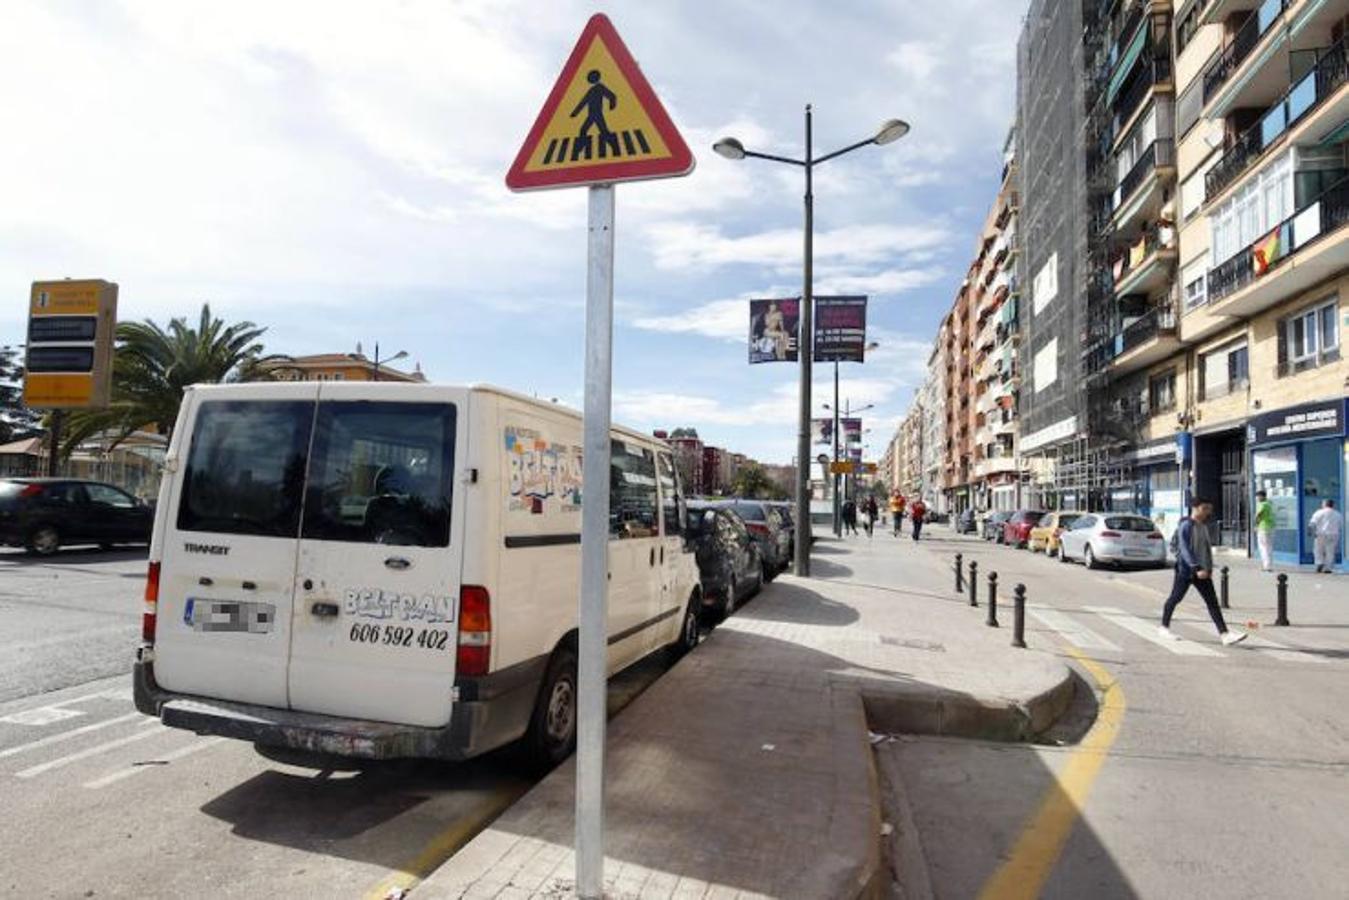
(1037,850)
(446,844)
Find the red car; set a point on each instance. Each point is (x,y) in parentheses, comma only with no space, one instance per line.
(1016,530)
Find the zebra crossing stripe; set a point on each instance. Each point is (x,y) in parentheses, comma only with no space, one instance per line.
(1148,632)
(1074,631)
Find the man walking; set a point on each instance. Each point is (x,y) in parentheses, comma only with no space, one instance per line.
(897,511)
(870,510)
(1194,568)
(1264,529)
(1326,524)
(849,517)
(917,513)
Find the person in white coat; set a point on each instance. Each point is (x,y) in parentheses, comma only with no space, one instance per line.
(1327,524)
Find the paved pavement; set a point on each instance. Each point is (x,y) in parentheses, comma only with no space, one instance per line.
(1225,773)
(747,770)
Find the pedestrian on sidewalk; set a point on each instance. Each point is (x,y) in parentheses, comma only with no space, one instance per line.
(1194,568)
(872,511)
(1264,529)
(897,511)
(849,517)
(1326,524)
(917,514)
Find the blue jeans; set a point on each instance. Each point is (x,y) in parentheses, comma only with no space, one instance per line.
(1182,583)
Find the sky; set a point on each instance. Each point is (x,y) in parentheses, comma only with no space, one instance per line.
(335,172)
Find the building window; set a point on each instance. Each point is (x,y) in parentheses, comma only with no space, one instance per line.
(1224,370)
(1194,278)
(1188,25)
(338,376)
(1309,338)
(1162,392)
(1261,203)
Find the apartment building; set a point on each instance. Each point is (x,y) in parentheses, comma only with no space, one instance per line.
(959,464)
(932,402)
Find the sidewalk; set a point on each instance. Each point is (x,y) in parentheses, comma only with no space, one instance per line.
(746,770)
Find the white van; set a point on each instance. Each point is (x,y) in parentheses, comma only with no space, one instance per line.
(392,570)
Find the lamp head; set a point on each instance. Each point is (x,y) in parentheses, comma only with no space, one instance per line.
(891,130)
(730,148)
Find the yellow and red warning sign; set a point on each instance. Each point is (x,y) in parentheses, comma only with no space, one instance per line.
(602,122)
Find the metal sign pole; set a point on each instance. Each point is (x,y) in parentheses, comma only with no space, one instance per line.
(594,600)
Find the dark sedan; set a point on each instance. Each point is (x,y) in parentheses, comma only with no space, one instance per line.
(993,525)
(730,567)
(46,514)
(765,524)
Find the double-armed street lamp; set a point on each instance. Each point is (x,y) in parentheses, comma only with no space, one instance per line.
(388,359)
(730,148)
(847,414)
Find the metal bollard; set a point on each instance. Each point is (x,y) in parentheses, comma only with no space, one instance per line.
(1019,616)
(974,583)
(960,575)
(1283,600)
(992,620)
(1222,589)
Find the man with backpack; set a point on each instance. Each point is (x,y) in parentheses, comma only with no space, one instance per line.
(1194,568)
(917,513)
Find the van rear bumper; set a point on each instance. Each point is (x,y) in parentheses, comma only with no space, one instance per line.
(492,711)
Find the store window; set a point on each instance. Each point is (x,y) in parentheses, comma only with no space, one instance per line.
(1276,474)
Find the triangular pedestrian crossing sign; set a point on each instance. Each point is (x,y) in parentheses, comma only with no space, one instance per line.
(601,123)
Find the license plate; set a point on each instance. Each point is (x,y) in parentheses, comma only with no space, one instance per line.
(229,615)
(1136,553)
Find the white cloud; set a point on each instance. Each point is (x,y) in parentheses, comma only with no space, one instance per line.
(723,319)
(918,60)
(689,245)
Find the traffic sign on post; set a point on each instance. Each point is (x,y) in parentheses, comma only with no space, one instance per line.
(601,124)
(70,335)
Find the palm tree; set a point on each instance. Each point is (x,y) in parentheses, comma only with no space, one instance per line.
(152,367)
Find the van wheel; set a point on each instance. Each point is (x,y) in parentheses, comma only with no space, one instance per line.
(44,540)
(689,632)
(551,737)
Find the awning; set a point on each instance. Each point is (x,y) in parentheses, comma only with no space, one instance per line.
(1126,64)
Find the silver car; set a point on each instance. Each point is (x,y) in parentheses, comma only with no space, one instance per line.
(1119,538)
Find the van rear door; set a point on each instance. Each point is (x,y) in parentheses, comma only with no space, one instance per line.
(373,630)
(230,522)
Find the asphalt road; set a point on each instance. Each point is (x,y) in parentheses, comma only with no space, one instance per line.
(1228,774)
(100,801)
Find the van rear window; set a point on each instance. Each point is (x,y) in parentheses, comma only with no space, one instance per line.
(245,469)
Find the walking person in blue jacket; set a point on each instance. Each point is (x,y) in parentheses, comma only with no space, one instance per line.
(1194,568)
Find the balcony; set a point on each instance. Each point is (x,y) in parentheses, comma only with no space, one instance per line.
(1141,191)
(1146,265)
(1244,40)
(1145,341)
(1300,252)
(1305,98)
(995,465)
(1156,74)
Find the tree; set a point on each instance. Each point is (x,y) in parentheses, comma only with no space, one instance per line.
(15,418)
(152,366)
(753,482)
(684,433)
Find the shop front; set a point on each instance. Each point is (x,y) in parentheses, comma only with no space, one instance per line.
(1158,474)
(1298,457)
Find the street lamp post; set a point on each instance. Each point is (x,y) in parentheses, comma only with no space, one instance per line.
(399,355)
(730,148)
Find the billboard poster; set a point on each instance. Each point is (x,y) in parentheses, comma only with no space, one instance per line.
(852,431)
(773,330)
(840,329)
(822,431)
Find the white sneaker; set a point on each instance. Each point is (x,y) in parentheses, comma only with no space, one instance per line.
(1167,633)
(1232,637)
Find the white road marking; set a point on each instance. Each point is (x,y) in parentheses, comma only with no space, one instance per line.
(62,761)
(1148,632)
(66,735)
(1074,631)
(176,755)
(1276,650)
(43,715)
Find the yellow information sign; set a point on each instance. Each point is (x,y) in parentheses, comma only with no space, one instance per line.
(71,325)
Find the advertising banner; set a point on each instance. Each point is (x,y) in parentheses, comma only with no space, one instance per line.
(773,330)
(822,431)
(840,329)
(852,431)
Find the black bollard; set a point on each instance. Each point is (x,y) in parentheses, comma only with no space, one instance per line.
(974,583)
(1283,600)
(1222,589)
(1019,616)
(960,574)
(992,620)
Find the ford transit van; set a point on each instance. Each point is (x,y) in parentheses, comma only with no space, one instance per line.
(392,570)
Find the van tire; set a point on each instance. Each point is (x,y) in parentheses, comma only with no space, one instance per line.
(544,745)
(690,631)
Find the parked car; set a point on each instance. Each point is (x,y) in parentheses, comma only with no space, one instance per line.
(1045,535)
(1122,539)
(46,514)
(730,565)
(1016,530)
(992,530)
(966,523)
(784,509)
(371,570)
(765,524)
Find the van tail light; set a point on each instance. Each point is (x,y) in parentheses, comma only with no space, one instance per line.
(475,631)
(1111,534)
(1155,536)
(151,604)
(33,490)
